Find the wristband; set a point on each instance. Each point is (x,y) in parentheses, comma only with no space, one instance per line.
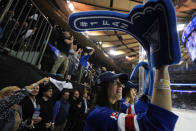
(163,84)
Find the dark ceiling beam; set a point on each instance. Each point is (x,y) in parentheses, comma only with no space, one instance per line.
(127,54)
(121,40)
(182,17)
(134,47)
(106,35)
(185,12)
(137,1)
(130,48)
(111,3)
(116,40)
(127,45)
(120,45)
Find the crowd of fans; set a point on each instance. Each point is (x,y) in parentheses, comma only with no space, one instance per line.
(71,61)
(50,104)
(34,107)
(39,107)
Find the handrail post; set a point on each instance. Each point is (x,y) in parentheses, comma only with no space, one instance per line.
(6,10)
(44,49)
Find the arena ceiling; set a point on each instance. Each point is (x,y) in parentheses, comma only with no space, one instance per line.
(123,48)
(118,45)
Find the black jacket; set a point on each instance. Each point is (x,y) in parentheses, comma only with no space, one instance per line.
(27,108)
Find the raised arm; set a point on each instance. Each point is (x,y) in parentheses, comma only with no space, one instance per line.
(11,100)
(45,79)
(162,92)
(16,97)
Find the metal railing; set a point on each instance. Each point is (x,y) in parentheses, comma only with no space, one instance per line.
(24,30)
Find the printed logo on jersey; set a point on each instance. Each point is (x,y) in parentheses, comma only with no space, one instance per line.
(114,115)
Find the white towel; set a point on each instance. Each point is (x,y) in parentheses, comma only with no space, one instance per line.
(61,84)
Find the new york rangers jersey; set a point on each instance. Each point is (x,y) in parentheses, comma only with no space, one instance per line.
(139,107)
(154,119)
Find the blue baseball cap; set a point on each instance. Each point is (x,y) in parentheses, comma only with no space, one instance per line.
(110,76)
(129,85)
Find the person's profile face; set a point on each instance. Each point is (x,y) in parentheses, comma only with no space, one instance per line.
(66,95)
(85,95)
(48,93)
(67,34)
(75,47)
(76,94)
(133,92)
(115,90)
(35,91)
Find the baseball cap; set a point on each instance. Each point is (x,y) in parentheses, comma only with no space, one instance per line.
(129,85)
(110,76)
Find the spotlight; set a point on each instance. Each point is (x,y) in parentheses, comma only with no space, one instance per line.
(100,42)
(112,52)
(180,27)
(70,5)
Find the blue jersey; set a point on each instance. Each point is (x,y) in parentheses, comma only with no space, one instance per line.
(154,119)
(124,105)
(84,60)
(139,107)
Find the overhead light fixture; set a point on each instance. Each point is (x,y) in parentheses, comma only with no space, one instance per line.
(112,52)
(180,27)
(143,53)
(70,5)
(100,42)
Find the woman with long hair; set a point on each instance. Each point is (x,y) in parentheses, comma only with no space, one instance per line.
(10,111)
(128,96)
(105,116)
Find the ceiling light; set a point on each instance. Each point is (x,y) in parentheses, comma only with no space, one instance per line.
(180,27)
(106,45)
(143,53)
(112,52)
(100,42)
(70,5)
